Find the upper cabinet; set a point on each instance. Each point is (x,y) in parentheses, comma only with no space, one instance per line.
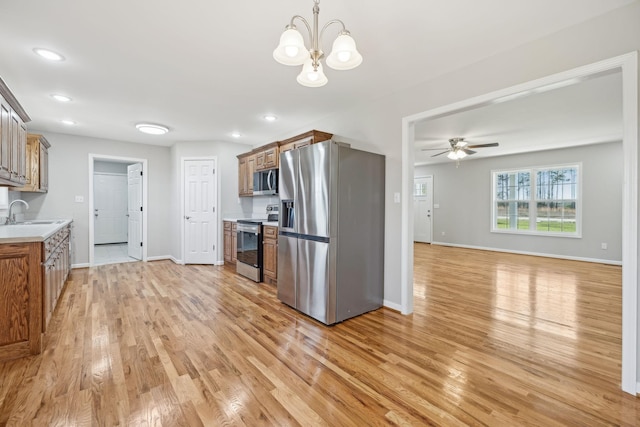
(307,138)
(37,179)
(13,139)
(267,157)
(246,167)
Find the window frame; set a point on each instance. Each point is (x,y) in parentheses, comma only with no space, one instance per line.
(533,200)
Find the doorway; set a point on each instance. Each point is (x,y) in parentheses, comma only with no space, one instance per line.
(422,209)
(117,214)
(628,66)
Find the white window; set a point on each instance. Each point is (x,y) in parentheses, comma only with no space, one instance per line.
(541,200)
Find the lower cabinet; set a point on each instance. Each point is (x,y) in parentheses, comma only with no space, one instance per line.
(32,278)
(269,249)
(55,271)
(270,254)
(21,301)
(230,241)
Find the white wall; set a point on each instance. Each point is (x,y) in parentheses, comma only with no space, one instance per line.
(230,204)
(464,197)
(110,167)
(69,177)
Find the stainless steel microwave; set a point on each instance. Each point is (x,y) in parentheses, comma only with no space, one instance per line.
(265,183)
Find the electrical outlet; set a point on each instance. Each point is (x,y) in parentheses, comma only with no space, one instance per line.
(79,199)
(443,233)
(396,197)
(603,246)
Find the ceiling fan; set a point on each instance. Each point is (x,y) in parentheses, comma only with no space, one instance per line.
(459,149)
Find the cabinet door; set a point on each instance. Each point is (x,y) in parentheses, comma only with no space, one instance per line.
(260,161)
(271,158)
(227,241)
(5,140)
(234,243)
(242,176)
(251,168)
(22,152)
(44,168)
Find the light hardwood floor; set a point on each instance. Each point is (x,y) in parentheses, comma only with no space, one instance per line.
(496,339)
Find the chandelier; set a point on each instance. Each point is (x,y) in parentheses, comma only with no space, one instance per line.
(292,50)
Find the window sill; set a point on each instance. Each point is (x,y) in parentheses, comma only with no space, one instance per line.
(575,235)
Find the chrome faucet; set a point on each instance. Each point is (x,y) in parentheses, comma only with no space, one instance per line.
(11,218)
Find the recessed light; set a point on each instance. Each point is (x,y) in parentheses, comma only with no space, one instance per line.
(68,122)
(152,129)
(48,54)
(61,98)
(236,134)
(270,117)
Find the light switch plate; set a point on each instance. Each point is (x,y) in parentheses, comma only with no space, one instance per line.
(396,197)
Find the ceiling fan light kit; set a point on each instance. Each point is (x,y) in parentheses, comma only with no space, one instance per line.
(459,149)
(292,51)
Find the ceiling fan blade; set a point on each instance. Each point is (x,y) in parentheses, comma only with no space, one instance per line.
(469,152)
(491,144)
(441,148)
(435,155)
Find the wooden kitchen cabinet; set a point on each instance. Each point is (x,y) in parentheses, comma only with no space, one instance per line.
(37,176)
(267,157)
(230,241)
(13,139)
(246,168)
(302,140)
(21,300)
(270,254)
(55,271)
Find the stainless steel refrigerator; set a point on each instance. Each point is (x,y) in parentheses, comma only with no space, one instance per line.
(331,231)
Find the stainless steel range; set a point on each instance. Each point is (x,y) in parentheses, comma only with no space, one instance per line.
(249,253)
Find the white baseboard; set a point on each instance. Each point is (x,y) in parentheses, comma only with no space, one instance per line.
(392,305)
(219,263)
(159,258)
(80,265)
(572,258)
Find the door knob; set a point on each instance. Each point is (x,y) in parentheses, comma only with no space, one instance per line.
(187,217)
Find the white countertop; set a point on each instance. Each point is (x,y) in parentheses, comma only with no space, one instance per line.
(31,231)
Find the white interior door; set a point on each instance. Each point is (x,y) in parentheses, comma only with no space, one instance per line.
(110,208)
(134,211)
(422,208)
(200,213)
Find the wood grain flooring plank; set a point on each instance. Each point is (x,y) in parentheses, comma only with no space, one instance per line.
(495,340)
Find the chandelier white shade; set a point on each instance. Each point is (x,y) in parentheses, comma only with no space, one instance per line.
(292,51)
(310,77)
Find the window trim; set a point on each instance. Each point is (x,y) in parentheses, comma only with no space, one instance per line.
(533,201)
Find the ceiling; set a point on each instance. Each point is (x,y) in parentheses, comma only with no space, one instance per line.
(584,112)
(206,70)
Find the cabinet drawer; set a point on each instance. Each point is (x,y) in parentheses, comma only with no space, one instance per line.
(270,232)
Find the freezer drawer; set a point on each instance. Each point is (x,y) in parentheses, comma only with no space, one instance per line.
(313,281)
(287,266)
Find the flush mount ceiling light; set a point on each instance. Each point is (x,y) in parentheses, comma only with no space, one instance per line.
(48,54)
(236,134)
(152,129)
(61,98)
(292,51)
(270,117)
(68,122)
